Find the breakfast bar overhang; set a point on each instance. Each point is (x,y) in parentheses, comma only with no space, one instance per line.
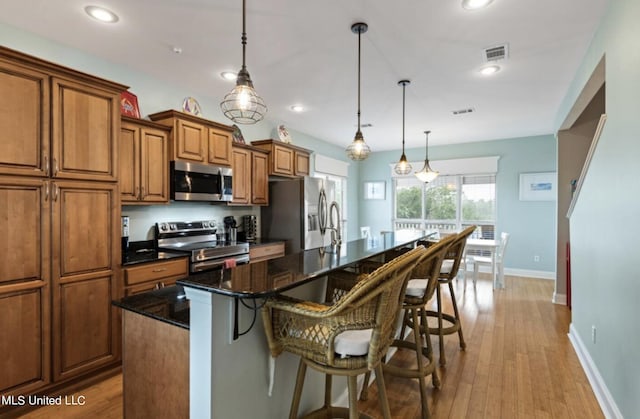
(229,377)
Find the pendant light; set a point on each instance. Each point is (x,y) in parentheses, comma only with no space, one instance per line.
(358,149)
(427,174)
(243,105)
(403,167)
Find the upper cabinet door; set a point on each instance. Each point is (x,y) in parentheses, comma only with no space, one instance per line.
(154,165)
(129,177)
(190,141)
(86,125)
(24,118)
(219,147)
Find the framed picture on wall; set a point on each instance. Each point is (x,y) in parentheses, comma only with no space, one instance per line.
(374,190)
(538,186)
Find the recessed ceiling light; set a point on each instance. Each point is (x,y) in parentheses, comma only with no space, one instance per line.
(489,70)
(229,75)
(297,108)
(475,4)
(101,14)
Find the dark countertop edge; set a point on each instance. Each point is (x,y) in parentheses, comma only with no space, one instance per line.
(147,314)
(252,295)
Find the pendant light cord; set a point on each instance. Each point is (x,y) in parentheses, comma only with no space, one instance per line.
(403,101)
(359,35)
(244,34)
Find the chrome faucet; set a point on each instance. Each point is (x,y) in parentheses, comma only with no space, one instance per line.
(336,237)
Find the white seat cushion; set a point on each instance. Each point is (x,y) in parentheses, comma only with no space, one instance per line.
(353,342)
(447,264)
(416,287)
(482,259)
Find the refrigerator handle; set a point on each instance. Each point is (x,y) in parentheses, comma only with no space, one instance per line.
(322,211)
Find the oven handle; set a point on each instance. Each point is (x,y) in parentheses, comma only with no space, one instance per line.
(217,263)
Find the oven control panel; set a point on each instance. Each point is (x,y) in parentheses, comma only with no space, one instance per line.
(186,227)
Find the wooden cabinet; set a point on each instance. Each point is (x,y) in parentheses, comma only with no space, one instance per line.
(24,137)
(57,126)
(241,164)
(85,123)
(144,162)
(24,284)
(285,159)
(196,139)
(148,276)
(267,251)
(259,178)
(60,223)
(85,230)
(250,178)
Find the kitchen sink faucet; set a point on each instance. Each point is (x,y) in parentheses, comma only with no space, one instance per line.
(336,237)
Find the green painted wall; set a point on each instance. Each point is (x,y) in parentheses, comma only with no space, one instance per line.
(604,223)
(532,224)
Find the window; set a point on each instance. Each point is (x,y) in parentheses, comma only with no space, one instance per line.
(449,203)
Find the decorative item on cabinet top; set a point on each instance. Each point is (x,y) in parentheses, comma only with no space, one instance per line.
(129,105)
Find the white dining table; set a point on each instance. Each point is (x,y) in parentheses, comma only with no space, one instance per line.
(492,247)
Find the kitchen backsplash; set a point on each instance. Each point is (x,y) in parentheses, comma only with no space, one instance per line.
(142,219)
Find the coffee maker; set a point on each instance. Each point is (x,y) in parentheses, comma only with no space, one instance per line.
(250,227)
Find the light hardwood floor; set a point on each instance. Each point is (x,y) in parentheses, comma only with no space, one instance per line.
(519,363)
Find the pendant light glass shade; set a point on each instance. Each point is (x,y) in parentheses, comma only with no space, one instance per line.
(243,105)
(427,174)
(358,149)
(403,167)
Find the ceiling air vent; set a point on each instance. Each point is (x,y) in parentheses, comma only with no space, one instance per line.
(498,52)
(463,111)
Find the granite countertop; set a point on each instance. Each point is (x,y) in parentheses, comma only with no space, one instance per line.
(270,277)
(169,305)
(261,279)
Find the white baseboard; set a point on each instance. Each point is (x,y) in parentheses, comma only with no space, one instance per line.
(605,399)
(559,299)
(530,273)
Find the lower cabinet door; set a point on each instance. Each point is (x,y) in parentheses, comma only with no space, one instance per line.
(85,326)
(24,347)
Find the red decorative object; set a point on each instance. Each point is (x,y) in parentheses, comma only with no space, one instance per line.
(129,104)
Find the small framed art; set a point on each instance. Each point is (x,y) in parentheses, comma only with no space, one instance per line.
(538,186)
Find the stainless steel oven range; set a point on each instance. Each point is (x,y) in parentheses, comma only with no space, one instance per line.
(199,240)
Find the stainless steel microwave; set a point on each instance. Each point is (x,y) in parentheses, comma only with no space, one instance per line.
(200,182)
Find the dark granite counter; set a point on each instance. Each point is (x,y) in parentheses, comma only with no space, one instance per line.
(263,279)
(166,304)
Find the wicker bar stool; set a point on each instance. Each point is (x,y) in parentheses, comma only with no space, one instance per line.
(448,272)
(420,289)
(321,333)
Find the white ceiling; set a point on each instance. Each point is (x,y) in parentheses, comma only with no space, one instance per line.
(303,51)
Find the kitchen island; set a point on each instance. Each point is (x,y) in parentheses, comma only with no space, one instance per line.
(229,362)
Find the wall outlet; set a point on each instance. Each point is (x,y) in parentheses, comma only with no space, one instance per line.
(536,258)
(593,333)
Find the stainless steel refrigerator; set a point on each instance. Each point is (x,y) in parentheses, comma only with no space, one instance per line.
(298,212)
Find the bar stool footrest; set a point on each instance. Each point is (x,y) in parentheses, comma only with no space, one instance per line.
(449,330)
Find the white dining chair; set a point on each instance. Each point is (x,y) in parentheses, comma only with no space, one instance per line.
(478,261)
